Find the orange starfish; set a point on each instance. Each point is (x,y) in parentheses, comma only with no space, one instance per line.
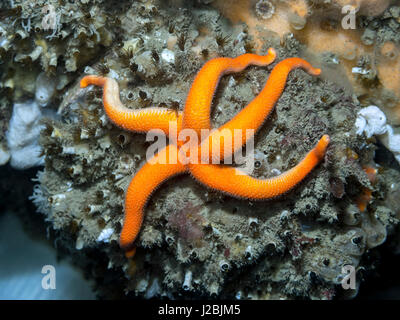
(196,116)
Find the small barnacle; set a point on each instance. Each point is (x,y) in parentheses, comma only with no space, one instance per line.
(187,283)
(313,276)
(148,26)
(126,54)
(55,199)
(324,98)
(238,295)
(368,37)
(193,254)
(84,134)
(75,170)
(48,129)
(76,135)
(93,131)
(168,56)
(181,41)
(84,161)
(170,240)
(351,215)
(171,27)
(73,227)
(357,240)
(280,127)
(222,40)
(214,289)
(238,237)
(224,266)
(175,107)
(142,95)
(133,67)
(70,171)
(154,10)
(68,150)
(102,69)
(130,95)
(126,160)
(389,50)
(284,215)
(248,254)
(249,46)
(265,9)
(155,56)
(91,209)
(239,77)
(205,53)
(336,187)
(271,157)
(271,246)
(297,21)
(137,157)
(216,232)
(100,195)
(92,95)
(292,162)
(253,222)
(101,223)
(53,148)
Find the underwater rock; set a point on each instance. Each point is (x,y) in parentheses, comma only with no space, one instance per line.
(197,242)
(185,224)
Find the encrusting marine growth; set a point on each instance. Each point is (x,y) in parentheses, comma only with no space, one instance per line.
(196,116)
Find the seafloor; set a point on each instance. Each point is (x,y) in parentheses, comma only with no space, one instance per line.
(196,242)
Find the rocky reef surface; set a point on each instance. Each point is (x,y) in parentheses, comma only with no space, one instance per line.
(194,242)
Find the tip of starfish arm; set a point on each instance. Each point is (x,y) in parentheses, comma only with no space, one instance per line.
(325,139)
(130,253)
(87,80)
(322,146)
(83,83)
(93,79)
(272,52)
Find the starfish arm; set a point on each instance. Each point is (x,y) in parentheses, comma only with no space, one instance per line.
(199,99)
(141,120)
(153,173)
(258,110)
(235,183)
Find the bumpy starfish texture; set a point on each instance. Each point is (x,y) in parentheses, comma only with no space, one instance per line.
(140,120)
(196,116)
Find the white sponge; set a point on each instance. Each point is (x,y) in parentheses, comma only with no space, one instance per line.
(372,121)
(23,134)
